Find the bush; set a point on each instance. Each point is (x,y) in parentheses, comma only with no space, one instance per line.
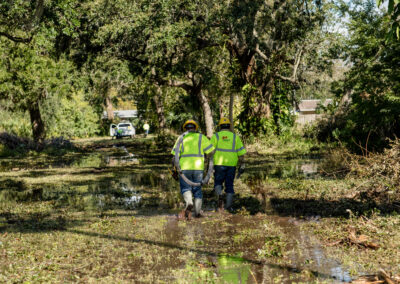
(17,123)
(70,118)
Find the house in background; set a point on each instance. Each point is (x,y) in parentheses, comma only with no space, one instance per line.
(122,114)
(307,110)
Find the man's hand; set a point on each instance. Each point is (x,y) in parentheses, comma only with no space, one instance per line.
(240,170)
(175,174)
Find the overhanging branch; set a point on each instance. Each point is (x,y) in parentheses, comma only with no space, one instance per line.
(260,53)
(16,38)
(180,84)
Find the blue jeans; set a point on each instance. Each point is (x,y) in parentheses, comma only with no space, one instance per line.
(194,176)
(224,174)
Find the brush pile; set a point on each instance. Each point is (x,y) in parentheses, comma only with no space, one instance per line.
(379,172)
(21,144)
(14,142)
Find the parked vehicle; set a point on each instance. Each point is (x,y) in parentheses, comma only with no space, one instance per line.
(123,129)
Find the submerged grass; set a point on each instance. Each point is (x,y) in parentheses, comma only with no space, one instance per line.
(75,218)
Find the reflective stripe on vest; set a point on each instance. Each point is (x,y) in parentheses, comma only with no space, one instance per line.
(240,149)
(209,146)
(194,155)
(233,145)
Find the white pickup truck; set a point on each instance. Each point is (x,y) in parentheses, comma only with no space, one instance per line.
(122,129)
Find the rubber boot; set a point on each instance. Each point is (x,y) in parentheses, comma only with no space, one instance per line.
(229,201)
(218,193)
(187,212)
(197,207)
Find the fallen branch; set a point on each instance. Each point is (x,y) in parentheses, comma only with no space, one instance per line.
(386,277)
(361,240)
(353,239)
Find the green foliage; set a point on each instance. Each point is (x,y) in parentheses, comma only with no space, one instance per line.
(373,114)
(282,120)
(15,122)
(5,151)
(70,117)
(394,12)
(32,68)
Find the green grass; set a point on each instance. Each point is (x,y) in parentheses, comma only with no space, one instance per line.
(62,219)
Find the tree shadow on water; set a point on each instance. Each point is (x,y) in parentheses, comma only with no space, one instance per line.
(283,268)
(343,207)
(249,203)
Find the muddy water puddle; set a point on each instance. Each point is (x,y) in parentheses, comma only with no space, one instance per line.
(308,254)
(129,192)
(228,247)
(119,156)
(303,168)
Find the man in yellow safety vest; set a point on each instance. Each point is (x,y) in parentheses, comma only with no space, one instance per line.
(191,146)
(146,128)
(229,152)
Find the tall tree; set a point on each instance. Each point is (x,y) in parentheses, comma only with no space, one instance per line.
(372,82)
(31,68)
(27,79)
(394,12)
(267,38)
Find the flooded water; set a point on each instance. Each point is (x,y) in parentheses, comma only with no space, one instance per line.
(208,238)
(307,259)
(118,156)
(307,167)
(310,254)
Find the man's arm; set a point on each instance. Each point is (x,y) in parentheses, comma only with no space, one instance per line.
(173,161)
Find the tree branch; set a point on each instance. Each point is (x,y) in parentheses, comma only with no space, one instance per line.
(293,78)
(16,38)
(289,79)
(180,84)
(297,63)
(260,53)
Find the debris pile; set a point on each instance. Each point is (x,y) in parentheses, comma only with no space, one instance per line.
(381,173)
(361,241)
(22,144)
(14,142)
(381,277)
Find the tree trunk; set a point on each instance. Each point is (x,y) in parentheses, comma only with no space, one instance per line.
(221,106)
(231,102)
(36,122)
(264,99)
(268,91)
(207,113)
(264,106)
(109,107)
(160,109)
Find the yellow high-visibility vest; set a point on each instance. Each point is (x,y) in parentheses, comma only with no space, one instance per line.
(229,147)
(192,150)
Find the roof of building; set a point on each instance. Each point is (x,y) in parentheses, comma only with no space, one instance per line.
(123,113)
(311,105)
